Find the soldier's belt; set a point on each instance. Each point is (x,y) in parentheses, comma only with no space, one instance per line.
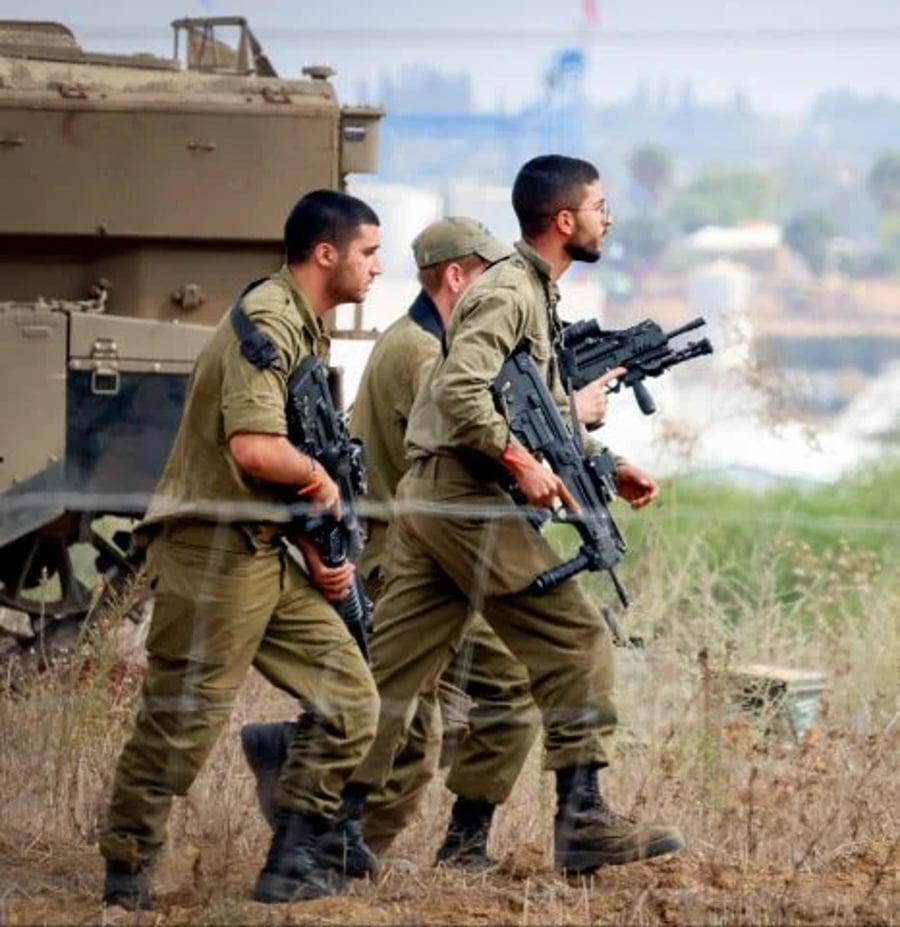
(476,468)
(241,537)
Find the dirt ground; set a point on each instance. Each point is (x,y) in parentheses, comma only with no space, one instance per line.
(210,885)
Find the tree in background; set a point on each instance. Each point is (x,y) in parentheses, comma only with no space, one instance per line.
(809,235)
(889,241)
(643,238)
(652,170)
(884,182)
(726,196)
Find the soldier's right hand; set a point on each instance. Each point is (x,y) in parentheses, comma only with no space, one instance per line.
(591,401)
(541,487)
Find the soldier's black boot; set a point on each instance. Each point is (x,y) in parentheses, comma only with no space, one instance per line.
(128,885)
(294,869)
(265,747)
(344,847)
(467,835)
(588,834)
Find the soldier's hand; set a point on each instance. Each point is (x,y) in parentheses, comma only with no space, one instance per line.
(322,493)
(541,487)
(635,485)
(333,582)
(591,401)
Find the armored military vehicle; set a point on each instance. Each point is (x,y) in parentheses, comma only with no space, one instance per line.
(139,195)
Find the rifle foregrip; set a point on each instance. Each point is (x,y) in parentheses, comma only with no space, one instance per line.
(644,399)
(551,578)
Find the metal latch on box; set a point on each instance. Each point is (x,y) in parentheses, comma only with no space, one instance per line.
(105,364)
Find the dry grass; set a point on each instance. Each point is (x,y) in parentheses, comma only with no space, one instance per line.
(778,832)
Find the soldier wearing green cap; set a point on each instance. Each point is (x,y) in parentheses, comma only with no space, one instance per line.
(450,255)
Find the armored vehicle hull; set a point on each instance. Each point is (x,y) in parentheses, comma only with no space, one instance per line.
(140,194)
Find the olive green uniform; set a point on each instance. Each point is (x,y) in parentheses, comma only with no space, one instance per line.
(505,720)
(228,594)
(459,543)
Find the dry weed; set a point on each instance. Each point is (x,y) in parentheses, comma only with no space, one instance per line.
(778,831)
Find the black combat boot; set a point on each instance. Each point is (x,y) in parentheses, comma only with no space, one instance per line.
(344,847)
(265,748)
(128,885)
(467,835)
(294,869)
(588,834)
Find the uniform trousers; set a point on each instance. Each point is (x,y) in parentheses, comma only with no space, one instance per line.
(459,545)
(225,598)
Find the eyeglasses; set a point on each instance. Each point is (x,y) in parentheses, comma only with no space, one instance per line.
(601,206)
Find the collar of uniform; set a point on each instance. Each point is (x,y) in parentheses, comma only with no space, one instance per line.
(425,314)
(301,304)
(532,256)
(543,268)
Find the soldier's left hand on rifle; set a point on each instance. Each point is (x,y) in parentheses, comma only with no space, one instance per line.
(635,485)
(333,582)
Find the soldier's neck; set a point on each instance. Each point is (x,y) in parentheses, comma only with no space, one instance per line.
(314,288)
(553,252)
(444,303)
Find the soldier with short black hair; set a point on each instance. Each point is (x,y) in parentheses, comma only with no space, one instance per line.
(228,593)
(459,541)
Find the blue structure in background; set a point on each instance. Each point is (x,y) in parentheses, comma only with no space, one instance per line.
(560,114)
(427,148)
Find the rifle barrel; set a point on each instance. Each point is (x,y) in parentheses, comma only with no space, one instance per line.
(687,327)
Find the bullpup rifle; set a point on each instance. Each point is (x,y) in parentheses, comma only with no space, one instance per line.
(535,420)
(318,430)
(587,351)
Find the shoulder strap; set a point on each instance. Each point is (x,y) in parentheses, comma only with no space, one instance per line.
(256,346)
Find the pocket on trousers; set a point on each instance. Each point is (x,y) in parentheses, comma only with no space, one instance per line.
(208,600)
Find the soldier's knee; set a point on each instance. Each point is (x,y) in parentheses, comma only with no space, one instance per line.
(368,719)
(359,714)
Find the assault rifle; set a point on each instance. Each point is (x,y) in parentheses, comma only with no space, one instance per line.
(317,429)
(534,419)
(587,351)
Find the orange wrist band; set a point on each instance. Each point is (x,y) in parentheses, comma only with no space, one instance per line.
(315,480)
(516,458)
(314,484)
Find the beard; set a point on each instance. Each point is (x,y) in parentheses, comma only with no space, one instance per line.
(582,253)
(345,287)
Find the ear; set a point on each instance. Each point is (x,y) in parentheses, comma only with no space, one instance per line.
(564,221)
(454,277)
(325,255)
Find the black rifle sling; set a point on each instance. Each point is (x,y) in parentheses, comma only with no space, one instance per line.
(256,346)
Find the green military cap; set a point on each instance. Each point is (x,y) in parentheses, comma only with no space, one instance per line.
(456,237)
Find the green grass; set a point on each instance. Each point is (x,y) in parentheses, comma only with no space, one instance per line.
(715,543)
(863,511)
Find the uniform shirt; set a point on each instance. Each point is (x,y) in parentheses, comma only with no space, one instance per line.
(512,303)
(226,395)
(399,364)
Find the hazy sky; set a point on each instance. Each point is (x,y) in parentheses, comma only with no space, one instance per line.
(781,52)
